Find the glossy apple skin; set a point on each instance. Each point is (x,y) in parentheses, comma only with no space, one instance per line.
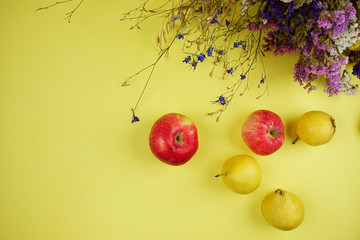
(263,132)
(173,139)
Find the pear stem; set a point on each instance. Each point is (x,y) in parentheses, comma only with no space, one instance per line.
(221,174)
(297,138)
(281,192)
(333,123)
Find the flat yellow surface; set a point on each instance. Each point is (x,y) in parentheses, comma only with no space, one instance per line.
(73,167)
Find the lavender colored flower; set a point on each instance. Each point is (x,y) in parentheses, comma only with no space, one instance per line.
(324,23)
(339,17)
(341,21)
(335,67)
(344,60)
(334,82)
(334,85)
(315,40)
(300,75)
(351,11)
(284,48)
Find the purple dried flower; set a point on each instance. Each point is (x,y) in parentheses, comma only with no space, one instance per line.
(201,57)
(134,118)
(187,59)
(351,11)
(222,100)
(210,51)
(194,64)
(339,17)
(243,44)
(356,69)
(230,70)
(262,81)
(300,75)
(180,36)
(252,27)
(324,23)
(214,20)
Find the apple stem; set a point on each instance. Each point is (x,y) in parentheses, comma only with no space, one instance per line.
(273,133)
(179,138)
(221,174)
(297,138)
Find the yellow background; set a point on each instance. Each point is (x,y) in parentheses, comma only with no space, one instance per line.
(72,166)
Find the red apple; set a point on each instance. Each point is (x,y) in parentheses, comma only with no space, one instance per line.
(173,139)
(263,132)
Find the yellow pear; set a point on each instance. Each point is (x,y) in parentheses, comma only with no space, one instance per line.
(242,174)
(315,128)
(283,210)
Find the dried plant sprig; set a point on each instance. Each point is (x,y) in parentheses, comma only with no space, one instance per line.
(142,13)
(163,51)
(53,5)
(234,34)
(211,30)
(68,14)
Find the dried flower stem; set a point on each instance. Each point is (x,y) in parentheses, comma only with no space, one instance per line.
(53,5)
(206,30)
(162,53)
(69,14)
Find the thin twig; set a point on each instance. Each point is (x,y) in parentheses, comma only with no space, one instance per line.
(69,14)
(163,53)
(53,5)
